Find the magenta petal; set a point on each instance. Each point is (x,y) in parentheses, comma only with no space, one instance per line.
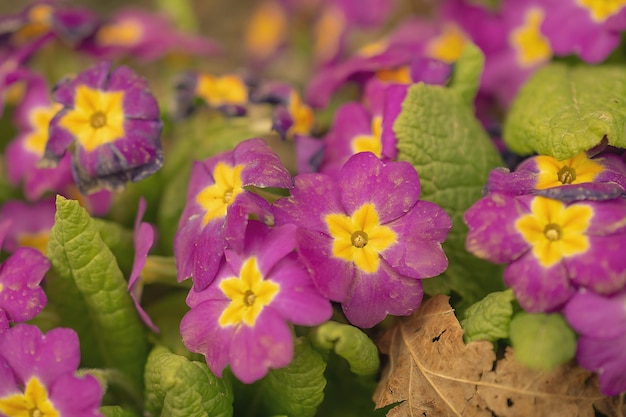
(281,240)
(393,188)
(262,167)
(596,316)
(538,289)
(602,268)
(74,396)
(8,384)
(332,276)
(608,358)
(245,206)
(199,251)
(139,103)
(373,296)
(254,350)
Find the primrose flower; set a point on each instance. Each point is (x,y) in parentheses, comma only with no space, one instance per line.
(242,318)
(577,178)
(587,28)
(38,375)
(227,93)
(366,238)
(552,248)
(113,122)
(145,36)
(600,321)
(218,206)
(21,297)
(30,224)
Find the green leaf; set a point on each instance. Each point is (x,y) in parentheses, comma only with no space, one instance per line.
(542,341)
(120,241)
(438,133)
(176,386)
(489,319)
(89,294)
(564,110)
(116,411)
(467,71)
(350,343)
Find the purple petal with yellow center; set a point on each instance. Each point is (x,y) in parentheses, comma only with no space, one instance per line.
(30,223)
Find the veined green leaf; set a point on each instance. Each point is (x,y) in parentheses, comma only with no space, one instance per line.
(489,319)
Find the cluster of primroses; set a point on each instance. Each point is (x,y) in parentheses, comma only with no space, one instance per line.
(266,250)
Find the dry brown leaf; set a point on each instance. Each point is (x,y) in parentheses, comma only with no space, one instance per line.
(433,373)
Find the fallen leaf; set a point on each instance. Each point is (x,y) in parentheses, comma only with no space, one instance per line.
(433,373)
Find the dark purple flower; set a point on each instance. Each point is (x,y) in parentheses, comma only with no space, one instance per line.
(552,248)
(38,375)
(242,318)
(366,238)
(600,321)
(218,206)
(114,124)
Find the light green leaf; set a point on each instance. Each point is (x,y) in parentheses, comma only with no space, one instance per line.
(350,343)
(177,387)
(564,110)
(467,71)
(439,135)
(489,319)
(120,241)
(89,294)
(542,341)
(116,411)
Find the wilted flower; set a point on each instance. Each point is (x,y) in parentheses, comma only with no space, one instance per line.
(366,238)
(242,318)
(38,375)
(113,122)
(218,206)
(552,248)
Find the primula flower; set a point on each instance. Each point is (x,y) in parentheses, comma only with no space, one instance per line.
(266,31)
(218,206)
(242,318)
(30,224)
(38,375)
(146,36)
(227,93)
(113,122)
(366,238)
(552,248)
(21,297)
(588,28)
(577,178)
(600,321)
(143,238)
(293,117)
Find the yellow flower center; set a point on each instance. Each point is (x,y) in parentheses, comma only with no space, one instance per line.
(123,33)
(216,198)
(249,293)
(266,29)
(555,231)
(600,10)
(401,75)
(34,402)
(37,241)
(576,170)
(531,46)
(39,18)
(374,48)
(328,30)
(370,143)
(97,117)
(39,118)
(448,46)
(301,114)
(360,238)
(218,91)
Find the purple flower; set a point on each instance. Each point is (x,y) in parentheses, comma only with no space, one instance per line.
(242,318)
(218,206)
(145,36)
(21,297)
(143,238)
(266,32)
(366,238)
(30,224)
(590,29)
(600,321)
(38,375)
(577,178)
(113,122)
(552,248)
(227,93)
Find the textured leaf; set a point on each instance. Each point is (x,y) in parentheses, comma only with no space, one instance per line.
(176,387)
(89,293)
(120,241)
(432,373)
(350,343)
(564,110)
(467,71)
(542,341)
(438,133)
(489,319)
